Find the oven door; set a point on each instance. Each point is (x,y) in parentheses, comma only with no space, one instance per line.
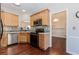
(34,40)
(1,29)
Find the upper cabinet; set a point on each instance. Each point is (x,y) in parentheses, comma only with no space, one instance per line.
(15,20)
(44,15)
(32,20)
(9,19)
(3,17)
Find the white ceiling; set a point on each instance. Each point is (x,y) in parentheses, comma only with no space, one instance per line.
(29,7)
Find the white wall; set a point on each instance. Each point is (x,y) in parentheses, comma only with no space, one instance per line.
(59,27)
(72,41)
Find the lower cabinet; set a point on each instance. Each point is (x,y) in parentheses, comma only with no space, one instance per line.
(43,41)
(23,37)
(28,37)
(4,40)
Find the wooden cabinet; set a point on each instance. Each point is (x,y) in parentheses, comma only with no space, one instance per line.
(4,40)
(3,17)
(28,37)
(15,21)
(31,21)
(44,15)
(43,41)
(23,37)
(9,19)
(38,16)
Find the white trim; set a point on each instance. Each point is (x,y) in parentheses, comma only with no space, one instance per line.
(51,20)
(73,36)
(59,36)
(50,44)
(59,11)
(73,53)
(67,16)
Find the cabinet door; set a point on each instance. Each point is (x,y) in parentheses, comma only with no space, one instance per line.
(8,18)
(19,38)
(45,17)
(34,18)
(22,38)
(4,40)
(3,17)
(41,41)
(28,37)
(14,20)
(31,21)
(37,16)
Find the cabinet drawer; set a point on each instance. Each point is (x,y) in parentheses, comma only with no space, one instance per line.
(23,34)
(41,36)
(41,44)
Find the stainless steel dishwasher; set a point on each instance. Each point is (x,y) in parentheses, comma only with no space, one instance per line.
(12,38)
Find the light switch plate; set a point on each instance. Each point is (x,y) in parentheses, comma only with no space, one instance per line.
(73,27)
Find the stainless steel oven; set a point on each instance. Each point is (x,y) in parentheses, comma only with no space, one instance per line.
(34,37)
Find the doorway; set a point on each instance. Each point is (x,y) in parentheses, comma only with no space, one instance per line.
(59,32)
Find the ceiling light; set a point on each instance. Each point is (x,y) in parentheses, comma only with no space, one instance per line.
(24,10)
(55,20)
(17,3)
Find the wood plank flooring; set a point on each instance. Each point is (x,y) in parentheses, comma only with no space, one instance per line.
(58,48)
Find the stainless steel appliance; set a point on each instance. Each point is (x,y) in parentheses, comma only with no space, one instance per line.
(12,38)
(1,28)
(34,39)
(38,22)
(1,25)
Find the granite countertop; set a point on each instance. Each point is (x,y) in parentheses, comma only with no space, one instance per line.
(18,32)
(12,32)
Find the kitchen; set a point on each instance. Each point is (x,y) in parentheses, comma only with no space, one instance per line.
(25,29)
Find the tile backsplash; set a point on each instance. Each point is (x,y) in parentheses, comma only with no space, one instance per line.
(46,28)
(10,28)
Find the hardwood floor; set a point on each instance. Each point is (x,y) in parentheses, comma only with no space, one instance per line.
(58,45)
(59,48)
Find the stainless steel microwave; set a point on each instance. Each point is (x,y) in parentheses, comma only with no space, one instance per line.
(38,22)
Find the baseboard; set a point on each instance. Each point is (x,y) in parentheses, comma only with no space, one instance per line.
(72,53)
(58,37)
(12,44)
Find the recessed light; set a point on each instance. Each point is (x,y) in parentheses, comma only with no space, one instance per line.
(23,10)
(55,20)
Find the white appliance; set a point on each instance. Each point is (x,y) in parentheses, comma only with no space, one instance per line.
(12,38)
